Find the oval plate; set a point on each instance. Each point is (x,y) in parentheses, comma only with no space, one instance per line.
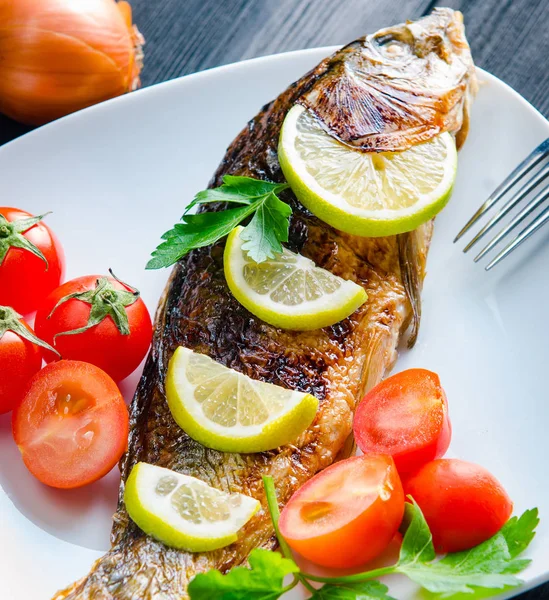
(119,174)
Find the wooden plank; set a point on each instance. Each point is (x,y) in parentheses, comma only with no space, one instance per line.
(508,38)
(211,33)
(184,36)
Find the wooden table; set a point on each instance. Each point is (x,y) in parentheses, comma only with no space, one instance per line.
(509,38)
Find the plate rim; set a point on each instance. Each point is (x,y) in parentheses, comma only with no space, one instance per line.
(107,105)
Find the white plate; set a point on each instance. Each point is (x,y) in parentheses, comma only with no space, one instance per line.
(119,174)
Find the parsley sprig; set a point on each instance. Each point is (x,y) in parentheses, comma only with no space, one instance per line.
(492,565)
(262,236)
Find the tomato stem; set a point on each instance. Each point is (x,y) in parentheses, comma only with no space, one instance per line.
(105,301)
(11,321)
(11,236)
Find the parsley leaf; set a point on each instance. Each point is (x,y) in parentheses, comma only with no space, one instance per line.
(417,544)
(235,188)
(491,565)
(365,590)
(267,229)
(195,232)
(519,532)
(484,566)
(264,581)
(488,565)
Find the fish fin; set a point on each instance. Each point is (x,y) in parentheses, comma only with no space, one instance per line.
(412,255)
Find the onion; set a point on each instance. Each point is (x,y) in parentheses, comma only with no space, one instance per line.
(58,56)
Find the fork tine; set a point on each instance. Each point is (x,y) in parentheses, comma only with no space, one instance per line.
(530,207)
(536,224)
(516,175)
(510,204)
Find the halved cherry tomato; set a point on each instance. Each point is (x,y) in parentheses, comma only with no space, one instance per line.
(20,358)
(405,416)
(25,278)
(72,425)
(347,514)
(104,344)
(463,503)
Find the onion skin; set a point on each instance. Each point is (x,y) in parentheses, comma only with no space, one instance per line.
(59,56)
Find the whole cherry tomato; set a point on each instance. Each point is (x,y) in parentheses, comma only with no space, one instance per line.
(20,357)
(99,320)
(463,503)
(32,262)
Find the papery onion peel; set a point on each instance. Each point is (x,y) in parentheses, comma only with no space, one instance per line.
(58,56)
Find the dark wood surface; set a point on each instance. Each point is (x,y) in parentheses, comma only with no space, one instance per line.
(509,38)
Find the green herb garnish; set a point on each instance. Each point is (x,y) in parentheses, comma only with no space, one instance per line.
(12,321)
(105,300)
(11,236)
(264,580)
(361,590)
(490,566)
(263,235)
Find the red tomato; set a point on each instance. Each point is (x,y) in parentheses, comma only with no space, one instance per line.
(20,359)
(405,416)
(25,280)
(103,345)
(72,425)
(463,503)
(347,514)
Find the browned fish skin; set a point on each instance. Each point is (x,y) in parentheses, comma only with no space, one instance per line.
(336,364)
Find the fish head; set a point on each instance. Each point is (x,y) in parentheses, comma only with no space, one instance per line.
(399,86)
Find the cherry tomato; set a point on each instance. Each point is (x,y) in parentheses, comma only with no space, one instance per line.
(405,416)
(72,424)
(26,279)
(463,503)
(103,344)
(20,359)
(347,514)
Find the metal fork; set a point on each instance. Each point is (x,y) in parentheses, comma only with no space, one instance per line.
(529,184)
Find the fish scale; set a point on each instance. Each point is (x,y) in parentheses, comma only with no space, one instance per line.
(336,364)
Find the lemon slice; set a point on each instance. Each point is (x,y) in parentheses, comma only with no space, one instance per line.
(365,193)
(289,291)
(226,410)
(184,512)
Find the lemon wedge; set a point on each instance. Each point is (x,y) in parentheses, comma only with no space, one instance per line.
(184,512)
(228,411)
(289,291)
(365,193)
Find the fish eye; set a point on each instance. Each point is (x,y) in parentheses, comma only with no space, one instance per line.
(391,46)
(384,40)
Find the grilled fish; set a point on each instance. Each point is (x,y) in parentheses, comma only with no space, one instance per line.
(384,92)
